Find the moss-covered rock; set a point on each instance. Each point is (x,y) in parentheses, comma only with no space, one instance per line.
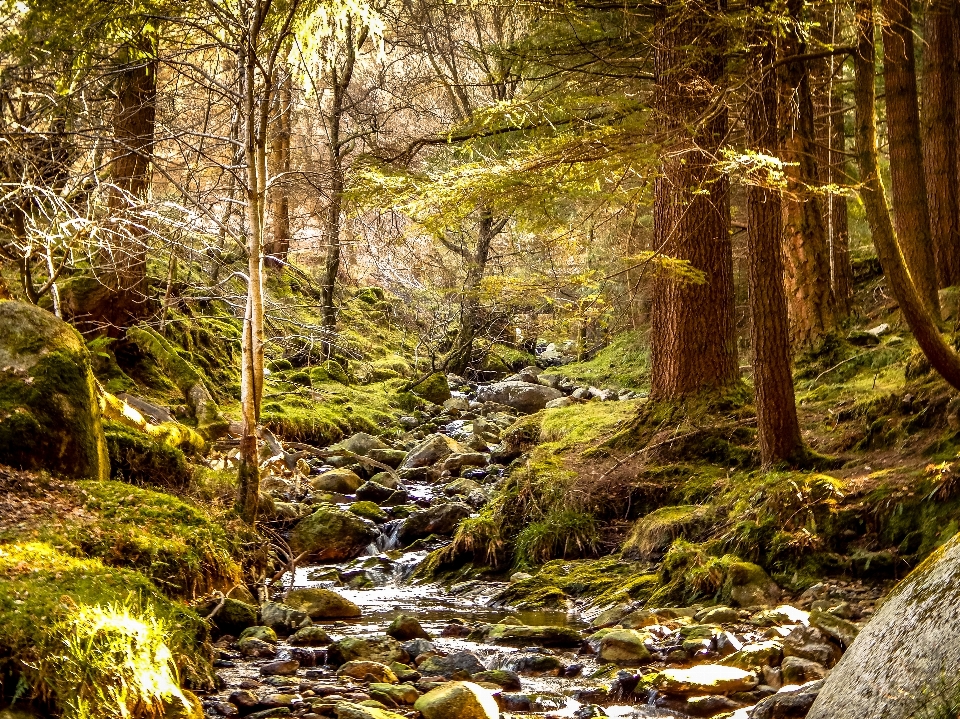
(434,388)
(49,413)
(331,534)
(138,458)
(322,604)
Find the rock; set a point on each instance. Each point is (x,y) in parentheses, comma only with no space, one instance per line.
(457,461)
(310,637)
(810,643)
(457,662)
(460,700)
(459,403)
(283,668)
(416,647)
(461,487)
(702,679)
(756,655)
(404,672)
(399,694)
(559,403)
(404,628)
(242,594)
(434,389)
(440,519)
(322,604)
(331,534)
(501,677)
(534,664)
(748,585)
(520,577)
(232,618)
(794,704)
(796,670)
(369,510)
(784,614)
(833,626)
(244,698)
(706,706)
(349,710)
(361,443)
(626,647)
(521,396)
(718,615)
(435,448)
(610,617)
(49,410)
(390,457)
(360,669)
(264,634)
(343,481)
(253,647)
(283,619)
(385,650)
(639,620)
(545,636)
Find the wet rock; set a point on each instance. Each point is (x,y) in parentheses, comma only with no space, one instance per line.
(404,672)
(390,457)
(833,626)
(455,462)
(367,671)
(455,663)
(639,620)
(232,618)
(284,668)
(800,671)
(784,614)
(253,647)
(380,649)
(756,655)
(369,510)
(610,617)
(704,679)
(749,586)
(434,388)
(264,634)
(463,700)
(374,492)
(399,694)
(810,643)
(272,701)
(432,450)
(361,443)
(244,699)
(349,710)
(461,487)
(706,706)
(626,647)
(283,619)
(503,678)
(522,635)
(336,480)
(535,664)
(416,647)
(442,519)
(331,534)
(718,615)
(521,396)
(404,628)
(794,704)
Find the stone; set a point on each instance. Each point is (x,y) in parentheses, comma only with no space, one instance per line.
(810,643)
(748,585)
(718,615)
(343,481)
(457,461)
(707,679)
(360,443)
(794,704)
(322,604)
(374,492)
(523,635)
(503,678)
(361,669)
(756,655)
(387,479)
(400,694)
(369,510)
(521,396)
(458,403)
(834,627)
(796,670)
(349,710)
(559,403)
(434,388)
(639,620)
(404,628)
(626,647)
(430,451)
(457,662)
(610,617)
(49,410)
(310,637)
(534,664)
(253,647)
(282,668)
(242,594)
(244,698)
(331,534)
(784,614)
(264,634)
(440,519)
(232,618)
(460,700)
(461,487)
(283,619)
(415,647)
(385,650)
(390,457)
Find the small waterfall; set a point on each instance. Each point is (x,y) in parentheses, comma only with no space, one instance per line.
(389,538)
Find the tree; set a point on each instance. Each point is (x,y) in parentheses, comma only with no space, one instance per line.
(278,230)
(693,342)
(778,427)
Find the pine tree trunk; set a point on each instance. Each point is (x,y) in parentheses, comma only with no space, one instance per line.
(778,427)
(279,194)
(693,342)
(940,99)
(906,153)
(839,219)
(806,253)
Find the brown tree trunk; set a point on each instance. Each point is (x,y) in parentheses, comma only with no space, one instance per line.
(906,153)
(922,322)
(779,430)
(693,342)
(811,308)
(838,217)
(940,98)
(278,232)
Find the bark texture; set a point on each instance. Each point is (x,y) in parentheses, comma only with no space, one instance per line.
(278,232)
(693,343)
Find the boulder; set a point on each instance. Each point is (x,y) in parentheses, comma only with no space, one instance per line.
(374,492)
(455,462)
(461,488)
(349,710)
(704,679)
(840,630)
(441,519)
(430,451)
(232,618)
(390,457)
(521,396)
(626,647)
(810,643)
(747,585)
(332,534)
(264,634)
(369,510)
(404,628)
(49,411)
(385,650)
(501,677)
(463,700)
(523,635)
(253,647)
(448,666)
(361,443)
(756,655)
(416,647)
(282,618)
(534,664)
(399,694)
(361,669)
(282,668)
(796,670)
(322,604)
(310,637)
(434,389)
(343,481)
(794,704)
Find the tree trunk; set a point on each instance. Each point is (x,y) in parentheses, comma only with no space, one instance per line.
(915,310)
(906,153)
(693,342)
(940,98)
(331,267)
(839,219)
(779,430)
(812,313)
(279,194)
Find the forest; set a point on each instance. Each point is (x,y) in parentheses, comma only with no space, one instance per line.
(471,359)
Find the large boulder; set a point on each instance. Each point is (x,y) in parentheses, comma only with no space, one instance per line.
(385,650)
(331,534)
(404,628)
(430,451)
(525,636)
(702,679)
(448,666)
(906,653)
(49,411)
(322,604)
(361,443)
(522,396)
(441,519)
(343,481)
(626,647)
(463,700)
(434,388)
(282,618)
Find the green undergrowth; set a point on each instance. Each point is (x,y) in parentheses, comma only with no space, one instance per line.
(88,641)
(623,364)
(504,359)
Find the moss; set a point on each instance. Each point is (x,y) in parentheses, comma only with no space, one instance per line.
(564,533)
(504,358)
(623,364)
(653,534)
(368,510)
(138,458)
(433,389)
(89,641)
